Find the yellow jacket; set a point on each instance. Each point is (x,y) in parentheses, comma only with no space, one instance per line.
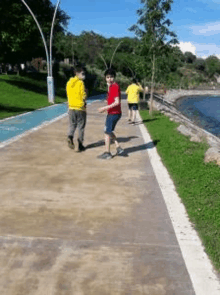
(76,94)
(133,91)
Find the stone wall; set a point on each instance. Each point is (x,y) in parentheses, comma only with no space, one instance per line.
(187,127)
(173,95)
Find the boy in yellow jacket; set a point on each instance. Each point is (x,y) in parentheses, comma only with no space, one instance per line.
(76,95)
(132,92)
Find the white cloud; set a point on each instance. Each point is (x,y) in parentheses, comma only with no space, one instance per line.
(187,46)
(207,29)
(200,49)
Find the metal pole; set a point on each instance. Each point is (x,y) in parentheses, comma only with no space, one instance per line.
(114,52)
(51,36)
(50,82)
(42,35)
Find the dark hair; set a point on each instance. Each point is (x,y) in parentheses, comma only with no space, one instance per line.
(110,72)
(134,80)
(78,69)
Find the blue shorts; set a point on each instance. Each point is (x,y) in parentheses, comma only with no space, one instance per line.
(133,106)
(110,123)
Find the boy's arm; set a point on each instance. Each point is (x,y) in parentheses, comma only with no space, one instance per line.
(67,92)
(114,104)
(140,87)
(116,93)
(83,92)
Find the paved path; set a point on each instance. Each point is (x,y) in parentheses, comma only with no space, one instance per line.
(16,126)
(71,224)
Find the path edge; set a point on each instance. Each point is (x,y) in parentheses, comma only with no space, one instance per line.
(201,271)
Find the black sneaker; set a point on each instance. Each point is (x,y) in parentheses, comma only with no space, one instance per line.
(105,156)
(70,142)
(119,150)
(81,147)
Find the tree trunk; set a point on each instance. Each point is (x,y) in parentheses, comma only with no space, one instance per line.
(144,94)
(152,85)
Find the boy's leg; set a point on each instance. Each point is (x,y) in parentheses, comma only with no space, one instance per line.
(81,122)
(72,123)
(119,149)
(134,112)
(113,137)
(133,116)
(72,128)
(129,112)
(106,155)
(107,137)
(107,143)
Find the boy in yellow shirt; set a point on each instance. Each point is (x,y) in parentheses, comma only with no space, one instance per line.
(132,92)
(76,95)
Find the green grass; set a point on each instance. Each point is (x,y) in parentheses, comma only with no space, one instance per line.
(197,183)
(23,94)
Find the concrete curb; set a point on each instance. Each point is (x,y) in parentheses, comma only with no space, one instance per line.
(199,266)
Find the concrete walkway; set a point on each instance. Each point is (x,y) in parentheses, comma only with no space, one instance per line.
(71,224)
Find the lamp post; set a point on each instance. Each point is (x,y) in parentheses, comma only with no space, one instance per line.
(50,80)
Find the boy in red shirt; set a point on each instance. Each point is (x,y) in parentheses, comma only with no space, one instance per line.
(114,113)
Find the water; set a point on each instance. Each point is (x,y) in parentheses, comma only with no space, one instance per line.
(203,110)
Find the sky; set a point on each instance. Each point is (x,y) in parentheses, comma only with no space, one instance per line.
(196,22)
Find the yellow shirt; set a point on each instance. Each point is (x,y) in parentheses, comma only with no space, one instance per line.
(133,91)
(76,94)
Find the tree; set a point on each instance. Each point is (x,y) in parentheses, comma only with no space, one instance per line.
(156,36)
(19,36)
(212,65)
(199,64)
(189,57)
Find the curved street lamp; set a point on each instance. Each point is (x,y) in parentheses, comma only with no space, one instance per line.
(50,80)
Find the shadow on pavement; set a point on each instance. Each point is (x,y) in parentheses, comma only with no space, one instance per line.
(102,143)
(141,147)
(4,108)
(149,120)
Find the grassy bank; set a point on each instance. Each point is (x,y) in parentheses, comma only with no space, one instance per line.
(23,94)
(197,183)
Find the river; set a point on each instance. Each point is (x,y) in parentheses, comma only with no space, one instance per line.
(203,110)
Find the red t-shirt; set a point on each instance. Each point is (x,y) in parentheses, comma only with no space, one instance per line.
(114,91)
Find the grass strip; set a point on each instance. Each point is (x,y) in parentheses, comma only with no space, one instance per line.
(23,94)
(197,183)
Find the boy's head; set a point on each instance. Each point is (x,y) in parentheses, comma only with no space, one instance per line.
(79,72)
(134,80)
(110,75)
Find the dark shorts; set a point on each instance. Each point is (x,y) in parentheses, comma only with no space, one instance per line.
(133,106)
(110,123)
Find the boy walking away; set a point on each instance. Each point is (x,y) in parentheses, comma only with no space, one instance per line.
(114,114)
(132,92)
(76,95)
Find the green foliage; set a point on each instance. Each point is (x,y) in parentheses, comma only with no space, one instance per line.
(19,36)
(155,40)
(189,57)
(149,57)
(185,77)
(197,183)
(23,94)
(100,82)
(212,66)
(199,64)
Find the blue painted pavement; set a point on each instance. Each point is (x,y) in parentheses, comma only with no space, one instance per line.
(17,125)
